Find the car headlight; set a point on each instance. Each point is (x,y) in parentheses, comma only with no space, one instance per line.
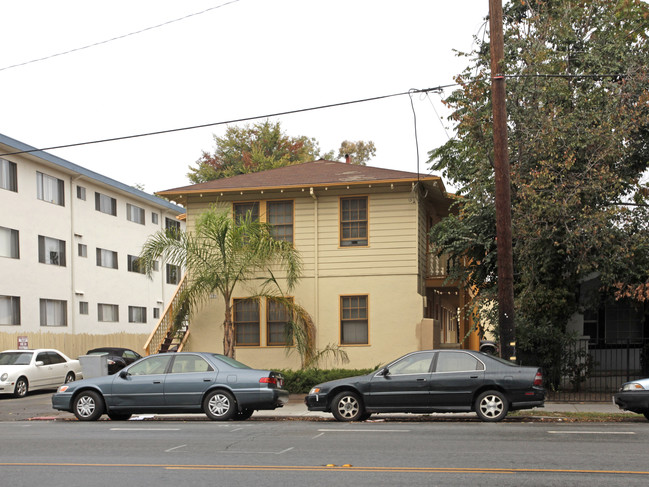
(4,376)
(315,390)
(632,386)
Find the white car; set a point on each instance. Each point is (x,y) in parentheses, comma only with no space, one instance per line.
(28,370)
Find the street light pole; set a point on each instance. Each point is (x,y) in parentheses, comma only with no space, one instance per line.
(503,195)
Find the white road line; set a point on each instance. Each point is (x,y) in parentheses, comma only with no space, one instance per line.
(317,436)
(591,432)
(284,451)
(175,448)
(362,431)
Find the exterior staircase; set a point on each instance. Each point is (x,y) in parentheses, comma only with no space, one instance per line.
(172,331)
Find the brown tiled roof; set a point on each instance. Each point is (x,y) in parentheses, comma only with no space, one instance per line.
(316,173)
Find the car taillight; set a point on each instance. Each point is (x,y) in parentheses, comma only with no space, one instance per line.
(268,380)
(538,378)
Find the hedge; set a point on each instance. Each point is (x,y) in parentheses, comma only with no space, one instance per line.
(301,381)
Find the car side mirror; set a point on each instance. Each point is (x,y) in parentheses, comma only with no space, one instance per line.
(385,372)
(39,363)
(123,374)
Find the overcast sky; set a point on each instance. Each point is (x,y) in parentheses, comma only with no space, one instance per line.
(246,58)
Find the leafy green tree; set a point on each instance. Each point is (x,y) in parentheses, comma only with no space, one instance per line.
(219,255)
(578,121)
(359,152)
(253,148)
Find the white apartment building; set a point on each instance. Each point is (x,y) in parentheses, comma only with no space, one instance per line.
(69,241)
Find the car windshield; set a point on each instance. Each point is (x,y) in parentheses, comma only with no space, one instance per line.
(15,358)
(230,361)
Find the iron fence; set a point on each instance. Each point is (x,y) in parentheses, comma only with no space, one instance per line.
(600,370)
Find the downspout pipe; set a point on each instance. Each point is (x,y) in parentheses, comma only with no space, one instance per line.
(316,289)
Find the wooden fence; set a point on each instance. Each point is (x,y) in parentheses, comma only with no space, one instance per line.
(73,345)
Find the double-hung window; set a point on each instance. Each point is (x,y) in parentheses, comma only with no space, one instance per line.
(9,310)
(280,219)
(106,258)
(246,322)
(50,189)
(249,209)
(134,264)
(105,204)
(353,320)
(54,312)
(51,251)
(173,274)
(9,245)
(8,175)
(353,222)
(135,214)
(278,319)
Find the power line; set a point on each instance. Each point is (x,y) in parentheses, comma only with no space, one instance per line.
(246,119)
(118,37)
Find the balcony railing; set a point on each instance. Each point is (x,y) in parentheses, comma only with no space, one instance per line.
(439,266)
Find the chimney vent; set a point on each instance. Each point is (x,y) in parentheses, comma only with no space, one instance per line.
(348,159)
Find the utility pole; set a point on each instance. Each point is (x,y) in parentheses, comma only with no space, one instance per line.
(503,196)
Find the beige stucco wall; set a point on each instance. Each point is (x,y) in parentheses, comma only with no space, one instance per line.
(387,271)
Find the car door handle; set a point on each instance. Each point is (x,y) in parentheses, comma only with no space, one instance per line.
(157,382)
(473,377)
(207,380)
(421,380)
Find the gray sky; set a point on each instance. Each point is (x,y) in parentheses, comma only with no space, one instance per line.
(244,59)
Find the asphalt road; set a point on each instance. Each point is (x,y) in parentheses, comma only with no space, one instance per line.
(269,453)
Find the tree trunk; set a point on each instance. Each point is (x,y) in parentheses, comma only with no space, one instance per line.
(228,330)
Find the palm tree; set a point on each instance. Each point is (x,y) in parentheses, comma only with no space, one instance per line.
(220,254)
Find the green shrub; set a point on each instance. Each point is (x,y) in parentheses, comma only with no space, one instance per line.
(301,381)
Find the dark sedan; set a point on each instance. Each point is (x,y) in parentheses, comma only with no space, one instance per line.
(117,357)
(432,381)
(634,396)
(186,382)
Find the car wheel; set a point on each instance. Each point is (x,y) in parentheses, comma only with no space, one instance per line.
(646,414)
(219,406)
(346,406)
(119,416)
(243,414)
(365,416)
(491,406)
(22,387)
(88,406)
(70,377)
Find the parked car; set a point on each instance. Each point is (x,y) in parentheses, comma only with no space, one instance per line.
(634,396)
(22,371)
(433,381)
(184,382)
(117,357)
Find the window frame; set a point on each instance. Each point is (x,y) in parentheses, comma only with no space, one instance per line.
(284,343)
(61,303)
(14,243)
(101,200)
(47,259)
(100,312)
(81,193)
(54,182)
(344,320)
(237,323)
(8,175)
(135,214)
(13,307)
(255,210)
(133,264)
(346,242)
(137,314)
(100,258)
(274,226)
(168,273)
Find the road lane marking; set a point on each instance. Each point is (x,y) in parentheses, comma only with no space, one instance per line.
(555,432)
(362,431)
(175,448)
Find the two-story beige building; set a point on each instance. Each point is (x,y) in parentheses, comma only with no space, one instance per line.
(369,281)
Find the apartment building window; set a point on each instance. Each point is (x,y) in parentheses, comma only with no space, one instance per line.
(83,307)
(54,312)
(280,219)
(154,218)
(9,245)
(156,265)
(133,264)
(51,251)
(81,193)
(173,274)
(136,314)
(246,322)
(135,214)
(108,313)
(242,210)
(9,310)
(353,320)
(353,222)
(172,227)
(83,250)
(106,258)
(50,189)
(8,175)
(156,313)
(278,331)
(105,204)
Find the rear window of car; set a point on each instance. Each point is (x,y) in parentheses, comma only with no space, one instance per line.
(230,361)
